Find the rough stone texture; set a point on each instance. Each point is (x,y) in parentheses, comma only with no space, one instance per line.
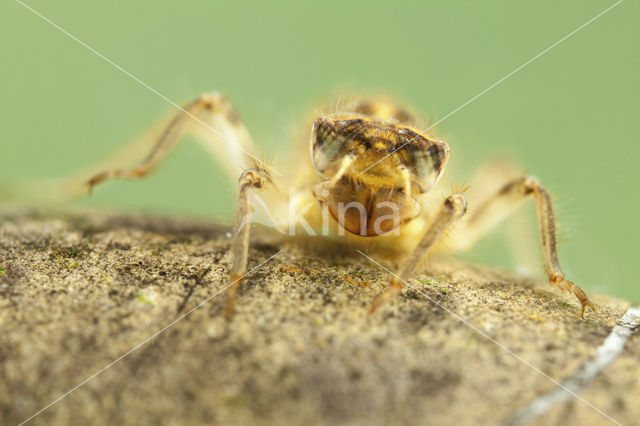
(78,290)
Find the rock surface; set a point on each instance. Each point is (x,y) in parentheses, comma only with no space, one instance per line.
(80,290)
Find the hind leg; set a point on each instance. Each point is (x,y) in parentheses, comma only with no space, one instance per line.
(210,117)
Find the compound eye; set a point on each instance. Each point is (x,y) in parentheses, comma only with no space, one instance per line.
(425,160)
(380,149)
(329,143)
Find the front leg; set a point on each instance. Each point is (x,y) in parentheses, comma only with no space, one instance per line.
(452,209)
(251,180)
(497,206)
(548,233)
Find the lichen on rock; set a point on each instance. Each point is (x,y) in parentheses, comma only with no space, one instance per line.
(79,290)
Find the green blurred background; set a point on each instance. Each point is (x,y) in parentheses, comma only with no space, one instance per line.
(570,116)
